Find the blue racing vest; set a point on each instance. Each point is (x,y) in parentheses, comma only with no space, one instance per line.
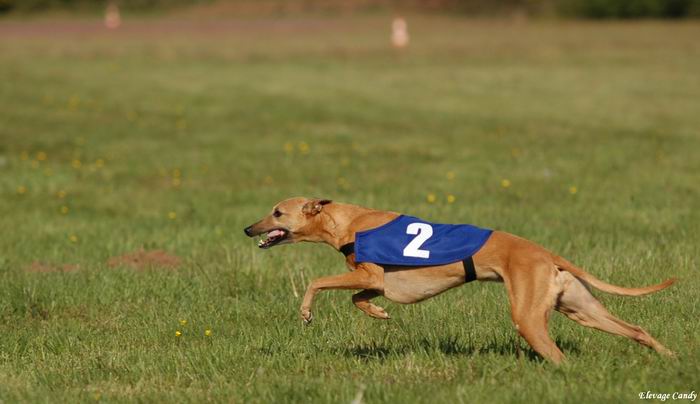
(410,241)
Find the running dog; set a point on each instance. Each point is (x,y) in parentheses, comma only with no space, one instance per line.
(536,280)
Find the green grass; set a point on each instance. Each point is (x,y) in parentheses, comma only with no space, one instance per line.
(610,109)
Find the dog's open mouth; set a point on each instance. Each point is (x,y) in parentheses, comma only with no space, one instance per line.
(273,237)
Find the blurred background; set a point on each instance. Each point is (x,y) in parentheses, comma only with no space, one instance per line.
(564,8)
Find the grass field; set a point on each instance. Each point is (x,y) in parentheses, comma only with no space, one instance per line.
(580,136)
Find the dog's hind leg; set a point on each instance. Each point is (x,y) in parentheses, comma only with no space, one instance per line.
(532,291)
(578,304)
(362,301)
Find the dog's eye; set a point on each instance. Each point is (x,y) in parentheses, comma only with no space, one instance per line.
(277,213)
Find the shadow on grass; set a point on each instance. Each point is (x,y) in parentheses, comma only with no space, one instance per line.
(451,346)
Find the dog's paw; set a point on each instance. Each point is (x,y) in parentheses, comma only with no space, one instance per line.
(380,313)
(306,316)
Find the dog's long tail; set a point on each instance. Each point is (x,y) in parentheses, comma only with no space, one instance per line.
(565,265)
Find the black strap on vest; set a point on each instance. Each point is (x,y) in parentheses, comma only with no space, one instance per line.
(347,249)
(469,271)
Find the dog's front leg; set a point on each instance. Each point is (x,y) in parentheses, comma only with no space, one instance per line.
(362,301)
(366,276)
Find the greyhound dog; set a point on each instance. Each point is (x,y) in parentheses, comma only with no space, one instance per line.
(536,280)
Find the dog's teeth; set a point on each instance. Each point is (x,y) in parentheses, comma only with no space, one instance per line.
(261,242)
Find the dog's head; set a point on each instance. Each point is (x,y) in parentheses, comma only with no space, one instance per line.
(290,221)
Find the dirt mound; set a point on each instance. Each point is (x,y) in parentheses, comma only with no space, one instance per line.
(143,259)
(44,267)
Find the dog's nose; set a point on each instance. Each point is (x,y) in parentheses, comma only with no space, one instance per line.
(248,231)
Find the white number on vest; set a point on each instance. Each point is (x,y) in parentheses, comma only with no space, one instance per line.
(423,232)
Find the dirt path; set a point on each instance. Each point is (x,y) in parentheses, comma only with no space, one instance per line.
(168,27)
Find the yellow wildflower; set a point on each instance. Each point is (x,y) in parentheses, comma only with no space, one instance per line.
(41,156)
(64,209)
(303,147)
(431,198)
(343,183)
(451,198)
(178,333)
(207,333)
(505,183)
(573,190)
(450,175)
(172,215)
(183,322)
(21,189)
(76,164)
(73,102)
(73,238)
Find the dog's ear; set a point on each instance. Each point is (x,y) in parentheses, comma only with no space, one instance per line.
(314,206)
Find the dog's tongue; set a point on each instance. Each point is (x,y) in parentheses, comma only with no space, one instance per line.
(275,233)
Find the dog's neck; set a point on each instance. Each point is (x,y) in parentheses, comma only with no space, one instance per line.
(339,222)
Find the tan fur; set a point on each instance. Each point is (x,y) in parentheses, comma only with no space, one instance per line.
(536,280)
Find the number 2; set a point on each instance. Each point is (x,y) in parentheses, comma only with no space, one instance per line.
(423,232)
